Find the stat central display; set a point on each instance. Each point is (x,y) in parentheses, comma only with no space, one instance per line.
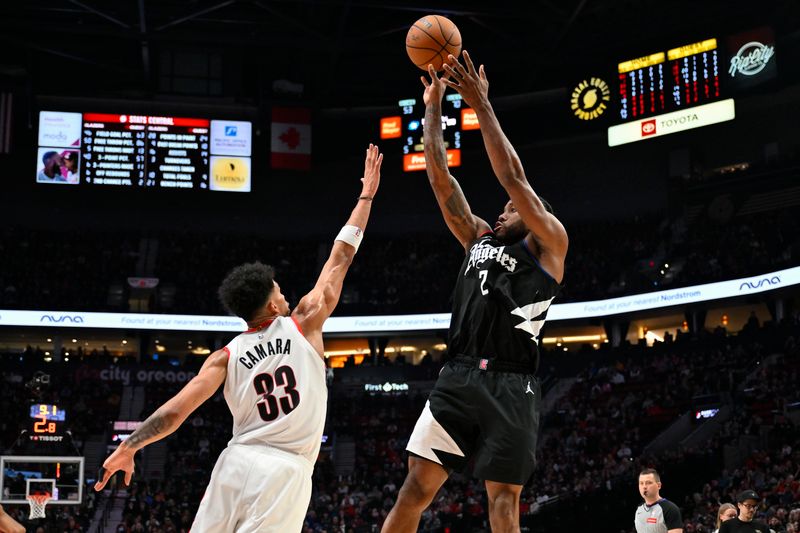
(409,127)
(146,151)
(122,150)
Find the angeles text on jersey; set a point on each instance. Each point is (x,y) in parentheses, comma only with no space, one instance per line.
(273,347)
(483,251)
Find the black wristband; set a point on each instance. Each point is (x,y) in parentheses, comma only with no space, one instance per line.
(365,198)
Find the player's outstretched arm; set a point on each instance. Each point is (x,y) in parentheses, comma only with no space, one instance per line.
(456,211)
(168,417)
(8,524)
(316,306)
(473,86)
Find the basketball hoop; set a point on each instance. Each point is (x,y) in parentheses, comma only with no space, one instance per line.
(37,502)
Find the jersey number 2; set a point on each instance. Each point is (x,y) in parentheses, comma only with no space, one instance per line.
(265,384)
(484,275)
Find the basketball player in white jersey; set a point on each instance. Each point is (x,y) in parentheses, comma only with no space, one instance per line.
(274,379)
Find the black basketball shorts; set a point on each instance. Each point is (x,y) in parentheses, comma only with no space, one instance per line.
(486,417)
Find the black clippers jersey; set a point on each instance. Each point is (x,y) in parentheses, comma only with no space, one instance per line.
(500,303)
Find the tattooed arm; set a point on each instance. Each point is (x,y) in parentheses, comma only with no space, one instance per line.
(457,214)
(168,417)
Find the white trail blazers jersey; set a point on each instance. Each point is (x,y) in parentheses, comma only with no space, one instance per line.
(276,389)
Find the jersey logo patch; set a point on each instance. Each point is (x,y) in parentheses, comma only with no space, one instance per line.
(528,313)
(652,520)
(484,251)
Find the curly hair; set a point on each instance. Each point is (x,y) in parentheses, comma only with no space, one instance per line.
(246,289)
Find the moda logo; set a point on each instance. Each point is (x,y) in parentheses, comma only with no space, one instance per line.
(55,138)
(74,319)
(774,280)
(751,59)
(649,127)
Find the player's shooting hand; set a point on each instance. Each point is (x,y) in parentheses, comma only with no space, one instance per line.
(372,171)
(471,84)
(434,89)
(121,459)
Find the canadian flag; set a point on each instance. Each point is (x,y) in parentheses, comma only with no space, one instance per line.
(291,138)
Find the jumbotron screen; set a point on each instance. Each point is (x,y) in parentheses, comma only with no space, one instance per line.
(126,150)
(456,118)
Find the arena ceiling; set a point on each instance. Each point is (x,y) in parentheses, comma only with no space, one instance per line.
(343,52)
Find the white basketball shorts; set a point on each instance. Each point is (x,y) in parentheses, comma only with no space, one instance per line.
(255,489)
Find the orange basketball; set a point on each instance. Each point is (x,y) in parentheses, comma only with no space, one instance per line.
(431,39)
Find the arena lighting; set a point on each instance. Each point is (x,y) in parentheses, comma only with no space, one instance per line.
(392,349)
(573,338)
(334,353)
(650,336)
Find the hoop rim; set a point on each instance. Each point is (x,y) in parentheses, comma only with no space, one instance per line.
(39,498)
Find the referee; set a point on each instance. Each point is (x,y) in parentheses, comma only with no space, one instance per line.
(656,514)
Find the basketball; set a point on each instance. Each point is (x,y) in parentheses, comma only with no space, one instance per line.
(431,39)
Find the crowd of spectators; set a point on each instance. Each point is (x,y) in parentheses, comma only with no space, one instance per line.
(765,410)
(60,269)
(89,404)
(393,274)
(592,443)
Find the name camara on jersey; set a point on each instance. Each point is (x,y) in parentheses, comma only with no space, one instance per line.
(273,347)
(484,251)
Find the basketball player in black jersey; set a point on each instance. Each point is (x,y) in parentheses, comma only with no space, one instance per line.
(484,409)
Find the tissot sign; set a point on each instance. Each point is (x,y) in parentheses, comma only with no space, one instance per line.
(685,119)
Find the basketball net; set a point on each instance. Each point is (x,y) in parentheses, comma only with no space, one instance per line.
(37,502)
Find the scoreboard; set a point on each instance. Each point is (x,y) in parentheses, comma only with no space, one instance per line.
(670,91)
(409,125)
(658,83)
(46,423)
(142,151)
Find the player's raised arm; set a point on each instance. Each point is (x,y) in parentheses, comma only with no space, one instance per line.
(167,418)
(316,306)
(8,524)
(473,86)
(457,214)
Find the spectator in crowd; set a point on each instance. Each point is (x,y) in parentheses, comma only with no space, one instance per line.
(747,501)
(725,513)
